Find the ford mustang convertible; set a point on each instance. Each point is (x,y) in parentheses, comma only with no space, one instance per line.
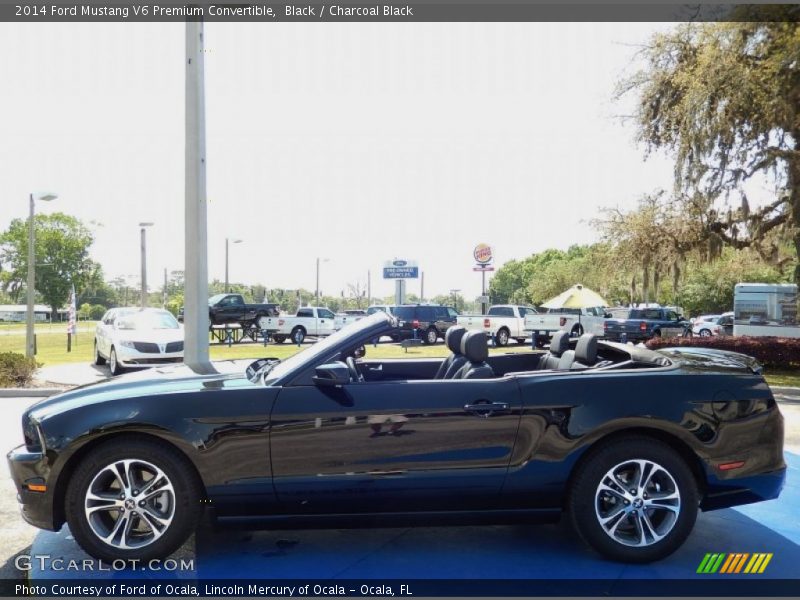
(627,442)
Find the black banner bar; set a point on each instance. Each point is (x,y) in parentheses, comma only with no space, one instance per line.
(347,11)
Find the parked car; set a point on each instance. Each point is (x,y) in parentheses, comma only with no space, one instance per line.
(346,317)
(427,322)
(502,321)
(389,308)
(137,338)
(576,321)
(708,325)
(629,443)
(645,323)
(226,309)
(316,321)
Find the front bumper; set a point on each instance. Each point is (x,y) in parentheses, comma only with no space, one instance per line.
(132,358)
(31,468)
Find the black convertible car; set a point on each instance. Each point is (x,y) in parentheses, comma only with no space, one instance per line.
(628,442)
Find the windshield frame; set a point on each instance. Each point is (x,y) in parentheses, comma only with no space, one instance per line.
(358,333)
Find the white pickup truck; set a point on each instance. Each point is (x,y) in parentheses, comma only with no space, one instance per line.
(316,321)
(575,320)
(503,321)
(346,317)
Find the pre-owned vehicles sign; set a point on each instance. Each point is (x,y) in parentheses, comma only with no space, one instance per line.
(400,269)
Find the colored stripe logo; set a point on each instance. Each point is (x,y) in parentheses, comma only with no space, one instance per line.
(734,562)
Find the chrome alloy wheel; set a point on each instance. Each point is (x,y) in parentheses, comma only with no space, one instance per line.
(637,503)
(130,504)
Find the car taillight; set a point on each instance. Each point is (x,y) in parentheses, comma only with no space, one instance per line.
(486,323)
(643,326)
(562,321)
(415,324)
(605,325)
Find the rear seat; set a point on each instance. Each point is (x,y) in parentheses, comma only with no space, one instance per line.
(558,345)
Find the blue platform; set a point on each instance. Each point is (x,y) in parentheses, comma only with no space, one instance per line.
(538,552)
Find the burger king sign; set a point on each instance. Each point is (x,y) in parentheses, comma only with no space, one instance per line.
(482,254)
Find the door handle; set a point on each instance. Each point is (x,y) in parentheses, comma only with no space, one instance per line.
(484,408)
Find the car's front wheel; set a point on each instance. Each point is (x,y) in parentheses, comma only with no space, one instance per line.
(132,499)
(113,363)
(634,500)
(705,333)
(431,335)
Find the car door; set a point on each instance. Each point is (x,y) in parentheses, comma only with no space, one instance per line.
(393,446)
(325,321)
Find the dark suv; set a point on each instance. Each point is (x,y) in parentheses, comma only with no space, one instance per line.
(425,322)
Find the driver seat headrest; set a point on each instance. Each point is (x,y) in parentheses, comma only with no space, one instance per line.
(474,346)
(452,338)
(559,343)
(586,350)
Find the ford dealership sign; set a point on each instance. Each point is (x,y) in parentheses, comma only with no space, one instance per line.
(400,269)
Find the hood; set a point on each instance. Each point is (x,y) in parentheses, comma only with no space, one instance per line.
(158,336)
(151,383)
(710,359)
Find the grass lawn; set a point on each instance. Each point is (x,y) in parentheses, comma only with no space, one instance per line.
(783,378)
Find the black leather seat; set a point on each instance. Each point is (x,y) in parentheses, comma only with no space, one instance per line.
(585,352)
(475,348)
(456,360)
(559,344)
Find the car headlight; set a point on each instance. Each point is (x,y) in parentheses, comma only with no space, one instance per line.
(127,344)
(32,432)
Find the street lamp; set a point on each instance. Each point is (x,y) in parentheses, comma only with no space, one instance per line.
(318,260)
(144,262)
(29,339)
(227,289)
(455,298)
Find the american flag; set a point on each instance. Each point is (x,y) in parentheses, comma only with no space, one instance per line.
(71,327)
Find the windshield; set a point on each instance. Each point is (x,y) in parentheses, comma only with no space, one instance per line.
(214,299)
(327,345)
(147,320)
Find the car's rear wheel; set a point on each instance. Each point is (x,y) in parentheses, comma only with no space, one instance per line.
(279,339)
(634,500)
(501,337)
(431,335)
(98,359)
(113,363)
(705,333)
(577,331)
(298,335)
(137,499)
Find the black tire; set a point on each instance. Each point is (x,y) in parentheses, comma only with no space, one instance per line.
(657,333)
(577,331)
(98,360)
(501,337)
(298,335)
(113,363)
(186,502)
(585,505)
(278,339)
(431,336)
(520,341)
(705,333)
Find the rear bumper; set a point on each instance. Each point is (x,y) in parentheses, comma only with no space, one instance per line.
(745,490)
(31,467)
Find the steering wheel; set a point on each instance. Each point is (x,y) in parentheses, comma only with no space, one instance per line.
(354,374)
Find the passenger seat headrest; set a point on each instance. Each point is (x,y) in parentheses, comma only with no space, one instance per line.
(586,350)
(474,346)
(452,337)
(559,343)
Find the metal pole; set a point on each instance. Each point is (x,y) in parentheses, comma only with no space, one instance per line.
(369,287)
(164,294)
(227,289)
(317,293)
(144,269)
(422,287)
(29,341)
(483,292)
(196,224)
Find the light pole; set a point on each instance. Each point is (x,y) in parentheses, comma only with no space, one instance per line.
(29,339)
(455,298)
(318,261)
(227,289)
(144,262)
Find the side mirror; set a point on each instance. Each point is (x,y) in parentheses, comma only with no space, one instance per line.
(331,375)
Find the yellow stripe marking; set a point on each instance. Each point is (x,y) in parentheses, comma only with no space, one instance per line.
(765,563)
(752,562)
(758,562)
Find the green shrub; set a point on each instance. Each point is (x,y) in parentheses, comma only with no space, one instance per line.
(16,370)
(771,352)
(97,311)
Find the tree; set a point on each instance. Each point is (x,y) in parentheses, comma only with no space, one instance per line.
(724,99)
(61,252)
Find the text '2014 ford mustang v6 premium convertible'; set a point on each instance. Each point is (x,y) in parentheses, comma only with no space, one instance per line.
(628,442)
